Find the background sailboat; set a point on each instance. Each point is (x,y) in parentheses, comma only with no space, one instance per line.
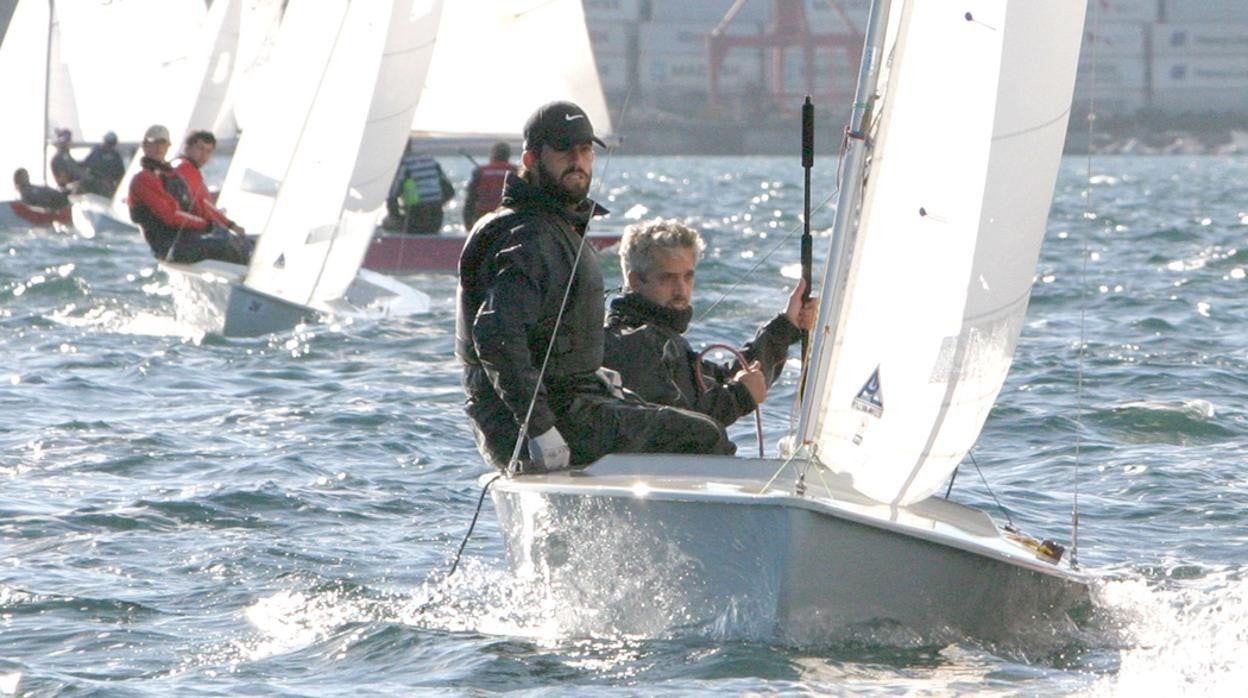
(966,111)
(32,76)
(474,97)
(313,172)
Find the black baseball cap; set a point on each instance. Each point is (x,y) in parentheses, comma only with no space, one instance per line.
(560,125)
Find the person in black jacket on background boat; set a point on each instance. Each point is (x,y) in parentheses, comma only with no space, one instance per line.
(37,194)
(645,328)
(528,330)
(67,171)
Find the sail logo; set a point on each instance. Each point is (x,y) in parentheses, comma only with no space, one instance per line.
(280,262)
(870,397)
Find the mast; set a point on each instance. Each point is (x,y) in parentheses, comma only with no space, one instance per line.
(846,223)
(47,86)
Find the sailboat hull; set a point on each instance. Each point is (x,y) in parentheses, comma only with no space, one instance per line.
(646,544)
(212,296)
(395,253)
(93,214)
(15,214)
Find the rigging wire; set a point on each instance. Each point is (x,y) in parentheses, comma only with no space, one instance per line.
(1004,511)
(1081,352)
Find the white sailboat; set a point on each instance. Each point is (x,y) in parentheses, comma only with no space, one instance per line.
(312,173)
(965,107)
(32,77)
(471,99)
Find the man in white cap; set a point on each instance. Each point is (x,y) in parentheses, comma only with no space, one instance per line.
(161,205)
(528,330)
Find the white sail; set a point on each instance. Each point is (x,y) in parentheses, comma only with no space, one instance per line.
(957,196)
(497,61)
(263,154)
(24,79)
(130,62)
(257,35)
(198,103)
(62,107)
(347,148)
(219,48)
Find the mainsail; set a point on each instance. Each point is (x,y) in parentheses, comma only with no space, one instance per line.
(345,148)
(130,63)
(21,77)
(200,102)
(954,208)
(538,51)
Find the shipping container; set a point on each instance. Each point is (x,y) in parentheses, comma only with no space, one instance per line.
(1205,11)
(682,37)
(1114,39)
(823,17)
(613,70)
(1201,39)
(1122,11)
(1113,72)
(1109,102)
(707,12)
(741,70)
(1201,100)
(1223,72)
(612,37)
(611,10)
(835,70)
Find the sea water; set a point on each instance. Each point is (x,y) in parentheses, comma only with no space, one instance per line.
(183,514)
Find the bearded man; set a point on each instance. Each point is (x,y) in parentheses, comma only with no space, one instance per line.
(528,330)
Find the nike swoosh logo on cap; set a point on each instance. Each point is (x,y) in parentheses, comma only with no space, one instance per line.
(573,117)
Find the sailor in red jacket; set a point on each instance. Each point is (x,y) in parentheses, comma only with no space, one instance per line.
(161,205)
(485,187)
(197,151)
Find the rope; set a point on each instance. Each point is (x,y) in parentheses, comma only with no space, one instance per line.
(475,515)
(758,414)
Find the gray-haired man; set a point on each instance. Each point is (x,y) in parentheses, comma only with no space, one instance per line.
(645,328)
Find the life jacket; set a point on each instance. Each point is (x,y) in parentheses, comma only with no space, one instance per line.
(421,182)
(490,186)
(159,234)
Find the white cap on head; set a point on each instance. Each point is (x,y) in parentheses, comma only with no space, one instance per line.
(156,132)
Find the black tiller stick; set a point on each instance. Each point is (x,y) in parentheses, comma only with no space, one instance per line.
(808,161)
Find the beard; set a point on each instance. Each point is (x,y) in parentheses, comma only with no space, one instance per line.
(552,184)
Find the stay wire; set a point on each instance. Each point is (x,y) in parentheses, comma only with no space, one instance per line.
(749,273)
(1004,511)
(1081,352)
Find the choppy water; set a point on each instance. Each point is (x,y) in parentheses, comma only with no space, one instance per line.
(189,515)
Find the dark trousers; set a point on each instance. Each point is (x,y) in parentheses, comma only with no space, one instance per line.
(423,219)
(218,244)
(595,423)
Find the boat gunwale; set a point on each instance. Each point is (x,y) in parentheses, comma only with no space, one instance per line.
(692,488)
